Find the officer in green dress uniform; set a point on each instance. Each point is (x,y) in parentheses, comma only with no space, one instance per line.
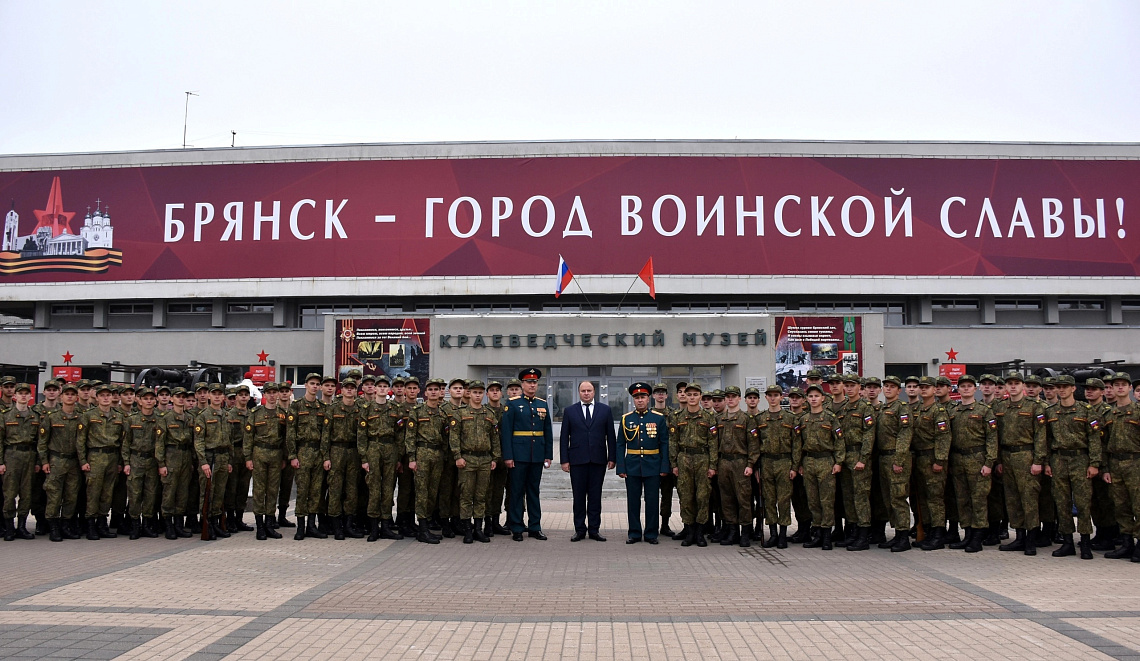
(642,459)
(528,448)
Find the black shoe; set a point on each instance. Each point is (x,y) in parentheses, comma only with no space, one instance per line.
(596,537)
(22,528)
(895,540)
(498,529)
(150,527)
(826,541)
(283,522)
(338,528)
(802,534)
(730,534)
(407,528)
(964,542)
(388,532)
(690,536)
(782,542)
(1136,554)
(43,526)
(92,529)
(936,541)
(990,537)
(373,529)
(653,540)
(666,531)
(1016,544)
(300,534)
(324,524)
(772,538)
(862,540)
(54,533)
(746,536)
(216,527)
(103,529)
(578,536)
(974,541)
(1067,548)
(816,539)
(136,531)
(447,530)
(632,540)
(517,536)
(1045,535)
(259,527)
(683,534)
(9,530)
(125,525)
(237,522)
(902,542)
(468,531)
(700,538)
(1030,544)
(168,523)
(179,529)
(952,536)
(1086,548)
(311,528)
(1124,552)
(69,529)
(434,523)
(479,535)
(878,533)
(757,534)
(424,535)
(537,534)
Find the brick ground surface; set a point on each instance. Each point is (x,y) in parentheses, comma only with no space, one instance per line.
(187,599)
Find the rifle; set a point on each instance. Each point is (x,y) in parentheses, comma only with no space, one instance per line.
(206,532)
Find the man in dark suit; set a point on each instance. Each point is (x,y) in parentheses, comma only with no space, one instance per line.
(588,448)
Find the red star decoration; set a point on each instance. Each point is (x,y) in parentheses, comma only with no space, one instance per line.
(951,355)
(67,358)
(54,216)
(263,356)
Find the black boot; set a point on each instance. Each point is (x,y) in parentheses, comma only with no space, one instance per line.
(728,532)
(104,531)
(862,540)
(424,535)
(772,538)
(1048,534)
(991,535)
(388,531)
(207,533)
(447,529)
(825,541)
(1067,548)
(351,530)
(22,528)
(816,538)
(373,529)
(312,529)
(9,530)
(878,533)
(406,524)
(1015,544)
(936,541)
(1124,552)
(964,542)
(168,523)
(179,529)
(1105,540)
(1086,548)
(43,526)
(902,541)
(974,540)
(282,521)
(93,529)
(699,535)
(682,534)
(150,527)
(123,524)
(193,524)
(1136,553)
(136,530)
(756,532)
(300,534)
(498,529)
(237,522)
(324,524)
(952,536)
(690,535)
(216,527)
(803,533)
(746,536)
(69,529)
(338,527)
(270,530)
(479,535)
(468,532)
(1058,538)
(782,542)
(54,533)
(666,531)
(487,527)
(259,527)
(1030,543)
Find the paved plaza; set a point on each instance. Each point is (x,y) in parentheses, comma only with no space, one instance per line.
(316,599)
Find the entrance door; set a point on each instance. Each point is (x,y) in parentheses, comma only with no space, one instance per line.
(616,392)
(564,392)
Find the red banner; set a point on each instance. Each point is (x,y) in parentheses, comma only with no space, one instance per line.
(482,217)
(262,374)
(67,373)
(952,371)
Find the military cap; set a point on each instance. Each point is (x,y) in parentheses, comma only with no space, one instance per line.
(835,377)
(240,387)
(1094,383)
(732,390)
(872,381)
(909,379)
(70,386)
(456,380)
(435,382)
(369,377)
(23,386)
(927,381)
(1049,381)
(327,379)
(52,383)
(285,384)
(660,386)
(693,386)
(706,395)
(941,380)
(717,394)
(398,379)
(494,384)
(161,388)
(1120,376)
(127,386)
(348,382)
(144,391)
(475,384)
(796,391)
(640,388)
(1066,380)
(179,391)
(231,391)
(816,387)
(813,373)
(413,379)
(201,385)
(531,374)
(217,387)
(681,385)
(269,387)
(1032,378)
(1015,376)
(1000,380)
(967,377)
(755,391)
(892,379)
(514,382)
(8,381)
(850,378)
(380,378)
(102,387)
(114,388)
(312,375)
(355,374)
(83,383)
(987,377)
(772,388)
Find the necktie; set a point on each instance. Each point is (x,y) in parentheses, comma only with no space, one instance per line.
(589,410)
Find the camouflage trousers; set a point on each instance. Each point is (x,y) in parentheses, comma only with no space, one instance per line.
(1022,489)
(237,486)
(382,458)
(800,503)
(497,491)
(285,490)
(429,469)
(310,479)
(900,488)
(777,489)
(266,477)
(856,487)
(405,489)
(344,471)
(215,485)
(1103,510)
(180,472)
(142,485)
(735,491)
(1071,486)
(971,488)
(19,466)
(668,485)
(933,485)
(62,487)
(693,487)
(1126,493)
(474,479)
(820,486)
(101,481)
(880,491)
(448,502)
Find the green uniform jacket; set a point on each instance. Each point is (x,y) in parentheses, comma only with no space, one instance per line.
(819,432)
(211,434)
(1022,424)
(426,427)
(20,428)
(263,430)
(930,429)
(892,429)
(173,429)
(141,436)
(1073,428)
(974,426)
(59,433)
(737,435)
(857,419)
(98,430)
(475,431)
(305,425)
(694,433)
(1124,429)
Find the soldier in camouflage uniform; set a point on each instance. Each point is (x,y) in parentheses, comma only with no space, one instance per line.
(174,455)
(426,438)
(237,486)
(975,449)
(288,473)
(819,457)
(380,444)
(59,431)
(497,490)
(1122,442)
(1103,512)
(264,458)
(693,454)
(476,449)
(857,419)
(995,503)
(797,406)
(1075,458)
(738,452)
(213,449)
(406,477)
(892,439)
(344,460)
(668,481)
(306,443)
(18,462)
(139,464)
(777,434)
(1021,431)
(39,496)
(102,430)
(930,447)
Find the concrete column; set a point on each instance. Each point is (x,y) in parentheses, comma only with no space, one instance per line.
(219,316)
(99,319)
(279,313)
(42,318)
(1052,313)
(1115,315)
(158,313)
(989,314)
(925,315)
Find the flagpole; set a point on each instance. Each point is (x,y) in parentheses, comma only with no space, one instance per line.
(635,279)
(580,290)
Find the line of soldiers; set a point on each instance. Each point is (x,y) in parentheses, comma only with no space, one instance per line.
(1014,451)
(153,459)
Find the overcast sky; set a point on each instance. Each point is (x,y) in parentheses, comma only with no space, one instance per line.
(110,76)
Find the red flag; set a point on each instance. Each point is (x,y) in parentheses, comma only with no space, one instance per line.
(646,274)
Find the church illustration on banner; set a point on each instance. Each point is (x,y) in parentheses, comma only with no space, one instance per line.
(53,246)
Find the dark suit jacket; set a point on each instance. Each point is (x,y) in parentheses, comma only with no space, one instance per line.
(593,444)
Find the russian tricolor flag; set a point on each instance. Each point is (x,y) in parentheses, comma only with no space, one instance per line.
(562,277)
